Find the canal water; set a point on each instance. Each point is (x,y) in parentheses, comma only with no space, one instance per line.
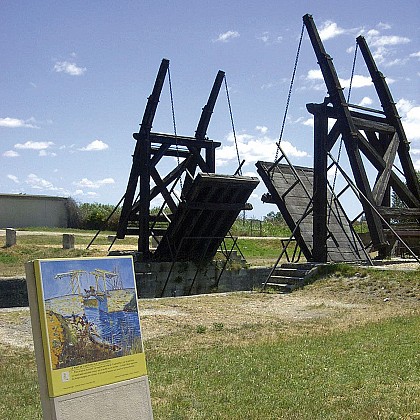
(117,328)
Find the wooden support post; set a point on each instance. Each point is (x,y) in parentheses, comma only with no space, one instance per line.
(144,202)
(319,226)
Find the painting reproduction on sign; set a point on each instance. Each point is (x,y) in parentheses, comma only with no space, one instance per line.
(90,323)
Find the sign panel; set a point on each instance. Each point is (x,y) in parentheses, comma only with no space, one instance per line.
(90,324)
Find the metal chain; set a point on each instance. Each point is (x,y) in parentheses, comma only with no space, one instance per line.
(172,101)
(174,121)
(290,91)
(352,72)
(233,126)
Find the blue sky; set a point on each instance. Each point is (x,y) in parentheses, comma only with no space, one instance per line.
(76,76)
(53,287)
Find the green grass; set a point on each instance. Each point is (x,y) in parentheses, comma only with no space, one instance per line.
(365,373)
(256,251)
(261,250)
(368,372)
(251,227)
(64,230)
(32,246)
(368,281)
(18,385)
(13,259)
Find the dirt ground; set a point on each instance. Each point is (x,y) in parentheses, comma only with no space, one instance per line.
(332,303)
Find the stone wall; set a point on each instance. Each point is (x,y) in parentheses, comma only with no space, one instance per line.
(151,279)
(181,279)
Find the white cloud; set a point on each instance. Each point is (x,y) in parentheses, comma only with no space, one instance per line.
(45,153)
(410,117)
(87,183)
(381,46)
(314,74)
(11,154)
(366,101)
(309,122)
(13,178)
(227,36)
(358,81)
(39,183)
(253,148)
(383,25)
(95,146)
(34,145)
(270,85)
(396,62)
(86,194)
(17,123)
(69,68)
(330,30)
(385,40)
(262,129)
(415,55)
(313,77)
(267,39)
(403,106)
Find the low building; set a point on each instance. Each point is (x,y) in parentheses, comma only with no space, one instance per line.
(23,210)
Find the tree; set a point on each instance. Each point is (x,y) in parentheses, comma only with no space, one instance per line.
(274,217)
(397,202)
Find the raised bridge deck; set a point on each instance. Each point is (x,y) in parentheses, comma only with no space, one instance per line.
(204,217)
(290,189)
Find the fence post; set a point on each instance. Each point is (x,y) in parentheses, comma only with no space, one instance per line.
(10,237)
(68,241)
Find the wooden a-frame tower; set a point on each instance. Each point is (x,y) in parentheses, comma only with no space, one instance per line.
(149,150)
(378,135)
(189,226)
(309,203)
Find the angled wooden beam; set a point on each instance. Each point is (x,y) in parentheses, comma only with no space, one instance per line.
(382,181)
(391,112)
(141,158)
(201,131)
(204,121)
(163,190)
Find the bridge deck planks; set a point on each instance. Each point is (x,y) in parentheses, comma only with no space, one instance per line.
(295,201)
(204,217)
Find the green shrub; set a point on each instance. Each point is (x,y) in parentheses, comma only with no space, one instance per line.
(95,215)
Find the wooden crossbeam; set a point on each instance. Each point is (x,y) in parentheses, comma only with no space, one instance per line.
(378,162)
(397,212)
(180,140)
